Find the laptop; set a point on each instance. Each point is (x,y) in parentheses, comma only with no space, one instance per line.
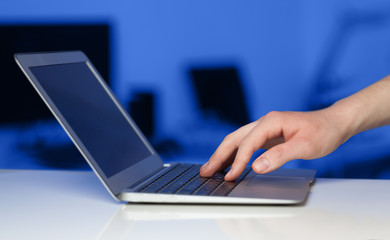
(121,156)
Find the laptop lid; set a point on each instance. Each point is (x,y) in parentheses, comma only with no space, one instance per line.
(92,116)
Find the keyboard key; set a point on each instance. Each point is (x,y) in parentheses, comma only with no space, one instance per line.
(227,187)
(192,185)
(166,178)
(180,181)
(185,179)
(209,186)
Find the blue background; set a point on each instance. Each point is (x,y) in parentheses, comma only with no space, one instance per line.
(292,55)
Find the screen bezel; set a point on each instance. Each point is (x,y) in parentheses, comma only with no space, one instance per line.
(123,179)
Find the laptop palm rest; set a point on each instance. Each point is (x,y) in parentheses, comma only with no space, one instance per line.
(287,184)
(265,181)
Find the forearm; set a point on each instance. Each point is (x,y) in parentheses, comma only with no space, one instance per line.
(366,109)
(301,135)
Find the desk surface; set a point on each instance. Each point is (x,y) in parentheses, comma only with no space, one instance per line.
(74,205)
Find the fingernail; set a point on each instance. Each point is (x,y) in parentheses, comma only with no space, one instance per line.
(261,164)
(228,174)
(204,167)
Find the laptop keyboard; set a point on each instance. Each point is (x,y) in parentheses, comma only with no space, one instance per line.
(185,179)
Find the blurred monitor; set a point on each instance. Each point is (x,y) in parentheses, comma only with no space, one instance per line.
(19,102)
(220,93)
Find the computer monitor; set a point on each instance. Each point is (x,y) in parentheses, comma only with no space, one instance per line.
(220,93)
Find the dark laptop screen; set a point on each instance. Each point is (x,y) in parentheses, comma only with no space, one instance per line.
(92,115)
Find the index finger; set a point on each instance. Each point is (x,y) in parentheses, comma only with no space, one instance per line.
(226,151)
(253,141)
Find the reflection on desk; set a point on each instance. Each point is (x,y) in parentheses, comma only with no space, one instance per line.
(235,222)
(74,205)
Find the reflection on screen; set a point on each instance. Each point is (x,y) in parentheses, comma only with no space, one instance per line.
(92,115)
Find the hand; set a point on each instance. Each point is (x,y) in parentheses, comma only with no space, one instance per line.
(286,135)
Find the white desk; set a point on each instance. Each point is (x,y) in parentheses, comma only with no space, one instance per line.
(74,205)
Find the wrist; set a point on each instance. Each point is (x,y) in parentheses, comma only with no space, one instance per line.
(364,110)
(345,116)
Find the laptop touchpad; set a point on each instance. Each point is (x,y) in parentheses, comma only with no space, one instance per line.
(277,181)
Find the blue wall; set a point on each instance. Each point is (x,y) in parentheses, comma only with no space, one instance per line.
(284,50)
(153,42)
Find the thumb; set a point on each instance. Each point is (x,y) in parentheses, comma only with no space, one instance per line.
(275,157)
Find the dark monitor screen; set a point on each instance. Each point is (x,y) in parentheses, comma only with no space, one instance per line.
(219,92)
(92,115)
(18,100)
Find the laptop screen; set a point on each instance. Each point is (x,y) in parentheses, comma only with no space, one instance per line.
(92,115)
